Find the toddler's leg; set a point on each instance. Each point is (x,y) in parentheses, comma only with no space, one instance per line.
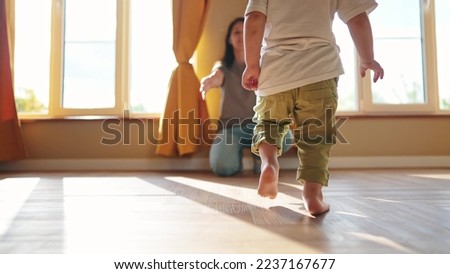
(313,198)
(268,180)
(313,174)
(272,116)
(315,135)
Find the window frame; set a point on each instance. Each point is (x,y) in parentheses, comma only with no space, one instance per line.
(430,80)
(56,108)
(363,95)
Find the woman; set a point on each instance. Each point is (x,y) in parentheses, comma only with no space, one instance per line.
(235,124)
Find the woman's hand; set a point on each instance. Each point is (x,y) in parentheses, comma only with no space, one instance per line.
(214,80)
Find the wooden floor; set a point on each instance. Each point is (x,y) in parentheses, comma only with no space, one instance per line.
(372,211)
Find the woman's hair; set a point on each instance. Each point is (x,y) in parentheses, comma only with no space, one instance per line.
(228,57)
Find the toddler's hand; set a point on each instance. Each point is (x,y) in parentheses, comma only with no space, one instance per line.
(250,78)
(373,66)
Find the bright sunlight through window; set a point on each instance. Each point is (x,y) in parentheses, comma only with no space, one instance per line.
(32,55)
(152,57)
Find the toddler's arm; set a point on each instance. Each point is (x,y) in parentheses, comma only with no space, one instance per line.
(253,35)
(361,33)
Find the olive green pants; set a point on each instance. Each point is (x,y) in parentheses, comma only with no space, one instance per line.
(311,109)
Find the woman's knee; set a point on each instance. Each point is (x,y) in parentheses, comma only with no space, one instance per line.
(224,168)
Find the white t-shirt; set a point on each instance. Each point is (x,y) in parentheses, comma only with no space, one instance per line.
(299,47)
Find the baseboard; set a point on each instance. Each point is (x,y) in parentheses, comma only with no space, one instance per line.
(192,164)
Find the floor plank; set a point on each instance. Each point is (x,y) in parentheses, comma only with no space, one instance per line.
(372,211)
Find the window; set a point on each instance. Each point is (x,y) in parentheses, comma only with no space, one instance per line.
(151,55)
(443,54)
(399,46)
(107,56)
(88,59)
(347,83)
(89,54)
(103,57)
(403,41)
(398,43)
(32,55)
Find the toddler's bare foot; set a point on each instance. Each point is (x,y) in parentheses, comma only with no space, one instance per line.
(313,199)
(268,180)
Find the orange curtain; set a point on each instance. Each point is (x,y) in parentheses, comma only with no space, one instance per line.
(11,142)
(185,113)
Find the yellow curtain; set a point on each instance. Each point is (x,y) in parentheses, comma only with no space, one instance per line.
(185,113)
(11,142)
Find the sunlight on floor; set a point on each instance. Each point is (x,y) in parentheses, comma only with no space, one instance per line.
(13,194)
(240,193)
(351,214)
(442,176)
(99,210)
(129,213)
(383,200)
(200,213)
(123,186)
(381,241)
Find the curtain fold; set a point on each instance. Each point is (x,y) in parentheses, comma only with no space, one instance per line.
(11,142)
(185,116)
